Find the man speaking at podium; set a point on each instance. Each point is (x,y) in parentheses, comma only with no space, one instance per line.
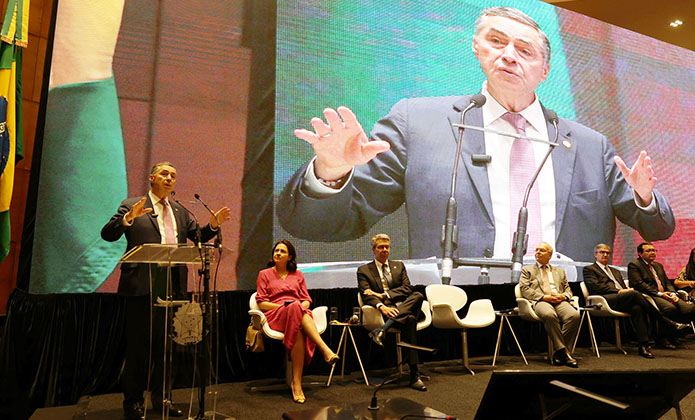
(353,181)
(151,219)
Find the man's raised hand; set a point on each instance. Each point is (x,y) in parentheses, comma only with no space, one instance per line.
(340,143)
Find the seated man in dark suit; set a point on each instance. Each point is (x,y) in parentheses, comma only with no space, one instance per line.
(607,281)
(383,284)
(549,292)
(649,277)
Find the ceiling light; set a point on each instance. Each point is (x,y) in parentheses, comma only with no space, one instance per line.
(676,23)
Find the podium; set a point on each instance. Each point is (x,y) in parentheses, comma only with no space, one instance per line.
(197,311)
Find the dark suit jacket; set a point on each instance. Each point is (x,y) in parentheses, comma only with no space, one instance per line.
(531,282)
(399,287)
(589,188)
(134,280)
(641,277)
(598,282)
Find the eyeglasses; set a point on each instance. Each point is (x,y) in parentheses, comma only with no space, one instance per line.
(604,252)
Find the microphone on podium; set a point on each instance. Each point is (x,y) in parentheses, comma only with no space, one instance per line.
(218,237)
(197,225)
(449,229)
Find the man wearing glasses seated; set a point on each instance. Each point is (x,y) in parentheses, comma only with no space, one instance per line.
(601,279)
(649,277)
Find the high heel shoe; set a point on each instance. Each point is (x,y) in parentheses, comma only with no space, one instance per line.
(332,359)
(299,399)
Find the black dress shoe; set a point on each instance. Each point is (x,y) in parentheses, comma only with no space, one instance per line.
(417,384)
(676,342)
(664,344)
(571,362)
(377,336)
(644,351)
(676,325)
(133,411)
(559,358)
(173,410)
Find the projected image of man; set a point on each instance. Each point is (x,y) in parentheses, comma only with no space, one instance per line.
(355,180)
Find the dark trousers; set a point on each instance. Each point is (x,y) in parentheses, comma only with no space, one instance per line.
(639,309)
(408,313)
(680,311)
(137,335)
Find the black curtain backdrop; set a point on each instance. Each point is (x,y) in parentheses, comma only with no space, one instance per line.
(56,348)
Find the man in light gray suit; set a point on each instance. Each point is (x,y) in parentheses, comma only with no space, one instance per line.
(547,289)
(353,181)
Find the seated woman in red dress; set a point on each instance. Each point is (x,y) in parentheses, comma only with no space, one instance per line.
(283,297)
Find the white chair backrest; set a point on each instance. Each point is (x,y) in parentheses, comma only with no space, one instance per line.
(359,299)
(252,301)
(446,294)
(585,290)
(517,291)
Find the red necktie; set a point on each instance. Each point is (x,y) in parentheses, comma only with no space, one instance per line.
(522,166)
(656,277)
(168,223)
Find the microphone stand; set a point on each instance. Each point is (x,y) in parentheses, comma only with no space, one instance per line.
(206,304)
(449,229)
(520,240)
(205,272)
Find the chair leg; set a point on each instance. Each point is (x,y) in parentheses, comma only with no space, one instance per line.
(499,340)
(594,343)
(399,354)
(579,329)
(464,342)
(618,338)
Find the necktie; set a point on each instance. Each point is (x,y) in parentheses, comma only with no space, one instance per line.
(546,280)
(386,278)
(610,276)
(656,277)
(168,223)
(522,166)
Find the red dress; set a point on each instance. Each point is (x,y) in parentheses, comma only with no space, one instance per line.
(272,288)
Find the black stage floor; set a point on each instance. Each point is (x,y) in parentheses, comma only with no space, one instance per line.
(455,394)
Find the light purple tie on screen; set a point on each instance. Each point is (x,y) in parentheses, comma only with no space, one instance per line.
(522,166)
(168,223)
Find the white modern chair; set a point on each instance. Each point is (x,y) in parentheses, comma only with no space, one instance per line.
(445,300)
(259,322)
(373,318)
(601,309)
(527,313)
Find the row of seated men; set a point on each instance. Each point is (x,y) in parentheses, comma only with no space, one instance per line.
(650,297)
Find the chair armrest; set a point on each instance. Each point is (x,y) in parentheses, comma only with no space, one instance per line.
(597,300)
(526,311)
(319,315)
(428,316)
(604,309)
(444,316)
(257,318)
(371,317)
(650,300)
